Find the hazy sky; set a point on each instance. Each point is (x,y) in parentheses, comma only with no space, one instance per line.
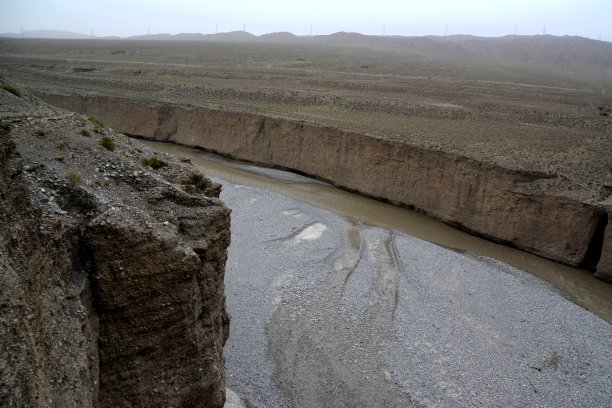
(587,18)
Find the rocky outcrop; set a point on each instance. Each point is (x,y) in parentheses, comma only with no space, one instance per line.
(486,199)
(111,272)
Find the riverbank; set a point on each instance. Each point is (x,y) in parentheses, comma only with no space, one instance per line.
(329,311)
(577,284)
(514,207)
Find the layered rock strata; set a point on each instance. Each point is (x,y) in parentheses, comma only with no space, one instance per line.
(111,271)
(492,201)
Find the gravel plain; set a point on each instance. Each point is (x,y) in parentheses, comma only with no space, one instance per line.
(329,312)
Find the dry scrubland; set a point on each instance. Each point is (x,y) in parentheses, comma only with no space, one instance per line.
(509,138)
(536,103)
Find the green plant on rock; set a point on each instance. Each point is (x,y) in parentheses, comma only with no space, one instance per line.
(196,178)
(40,132)
(188,188)
(74,176)
(85,132)
(96,121)
(10,88)
(154,162)
(34,167)
(108,143)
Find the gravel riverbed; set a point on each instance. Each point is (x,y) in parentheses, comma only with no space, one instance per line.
(329,312)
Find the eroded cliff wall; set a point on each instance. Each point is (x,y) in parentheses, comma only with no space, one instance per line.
(111,273)
(604,267)
(486,199)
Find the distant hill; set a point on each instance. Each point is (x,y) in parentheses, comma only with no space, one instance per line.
(282,36)
(563,52)
(230,36)
(52,34)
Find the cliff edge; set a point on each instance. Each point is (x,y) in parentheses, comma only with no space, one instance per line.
(532,210)
(112,262)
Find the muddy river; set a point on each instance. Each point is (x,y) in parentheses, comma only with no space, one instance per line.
(578,284)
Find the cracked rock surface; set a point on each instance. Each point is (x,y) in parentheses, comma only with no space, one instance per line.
(111,271)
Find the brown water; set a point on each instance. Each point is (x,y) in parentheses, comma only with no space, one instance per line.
(578,284)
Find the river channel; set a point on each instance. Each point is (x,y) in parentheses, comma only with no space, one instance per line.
(338,300)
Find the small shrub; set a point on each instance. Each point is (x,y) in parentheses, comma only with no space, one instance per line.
(10,88)
(60,159)
(108,143)
(101,183)
(96,121)
(61,145)
(196,178)
(98,129)
(74,176)
(188,188)
(85,132)
(32,98)
(34,167)
(40,132)
(154,162)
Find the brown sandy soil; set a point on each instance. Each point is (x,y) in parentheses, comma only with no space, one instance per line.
(537,103)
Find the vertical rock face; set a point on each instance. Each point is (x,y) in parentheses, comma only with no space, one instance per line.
(604,267)
(161,306)
(486,199)
(48,325)
(111,272)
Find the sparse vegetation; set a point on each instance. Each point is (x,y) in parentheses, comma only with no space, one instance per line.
(10,88)
(40,132)
(196,178)
(108,143)
(96,121)
(61,145)
(188,188)
(60,159)
(98,129)
(85,132)
(154,162)
(34,167)
(74,176)
(101,183)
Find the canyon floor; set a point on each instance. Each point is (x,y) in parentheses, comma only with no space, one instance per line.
(329,311)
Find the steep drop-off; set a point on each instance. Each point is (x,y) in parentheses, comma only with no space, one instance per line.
(111,272)
(496,202)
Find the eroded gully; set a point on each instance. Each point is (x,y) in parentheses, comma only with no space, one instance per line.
(341,300)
